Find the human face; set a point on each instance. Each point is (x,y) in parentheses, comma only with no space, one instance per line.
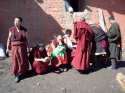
(17,22)
(59,38)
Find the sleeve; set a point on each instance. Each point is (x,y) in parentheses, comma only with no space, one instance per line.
(75,31)
(117,34)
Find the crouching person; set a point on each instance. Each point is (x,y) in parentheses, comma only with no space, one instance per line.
(39,60)
(40,65)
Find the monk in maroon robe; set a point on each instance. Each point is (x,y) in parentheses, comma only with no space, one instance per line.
(17,41)
(83,35)
(36,58)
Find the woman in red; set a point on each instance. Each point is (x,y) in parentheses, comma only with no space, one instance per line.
(17,41)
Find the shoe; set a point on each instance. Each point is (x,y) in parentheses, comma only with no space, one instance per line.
(65,69)
(17,79)
(111,68)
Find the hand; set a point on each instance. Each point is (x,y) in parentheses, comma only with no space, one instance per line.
(7,52)
(28,50)
(47,59)
(36,59)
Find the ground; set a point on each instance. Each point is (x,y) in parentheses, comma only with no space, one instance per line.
(101,81)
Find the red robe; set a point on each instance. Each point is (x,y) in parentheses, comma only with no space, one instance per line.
(19,63)
(83,35)
(38,66)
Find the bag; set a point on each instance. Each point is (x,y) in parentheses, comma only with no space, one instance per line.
(104,44)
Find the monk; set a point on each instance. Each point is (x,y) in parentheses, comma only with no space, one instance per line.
(17,42)
(39,60)
(83,35)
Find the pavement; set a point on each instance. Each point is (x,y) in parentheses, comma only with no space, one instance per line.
(101,81)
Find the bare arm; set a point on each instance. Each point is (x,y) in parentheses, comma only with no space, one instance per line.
(39,59)
(8,41)
(27,43)
(46,59)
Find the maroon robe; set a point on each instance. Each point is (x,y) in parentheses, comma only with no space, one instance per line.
(38,66)
(83,35)
(19,64)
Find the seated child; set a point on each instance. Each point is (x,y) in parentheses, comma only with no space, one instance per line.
(70,46)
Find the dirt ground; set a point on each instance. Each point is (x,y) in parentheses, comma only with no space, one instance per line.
(101,81)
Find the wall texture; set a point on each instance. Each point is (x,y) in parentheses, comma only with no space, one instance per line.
(45,18)
(42,18)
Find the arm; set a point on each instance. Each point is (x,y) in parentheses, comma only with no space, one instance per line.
(27,43)
(75,34)
(39,59)
(8,42)
(117,32)
(46,59)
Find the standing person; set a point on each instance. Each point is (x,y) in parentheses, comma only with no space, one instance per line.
(70,46)
(17,41)
(113,36)
(83,35)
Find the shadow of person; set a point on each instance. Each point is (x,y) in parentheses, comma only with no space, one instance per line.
(120,64)
(41,26)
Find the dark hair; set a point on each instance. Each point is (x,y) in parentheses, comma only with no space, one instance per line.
(20,18)
(111,18)
(68,31)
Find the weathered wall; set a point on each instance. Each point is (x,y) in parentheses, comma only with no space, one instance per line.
(115,8)
(42,18)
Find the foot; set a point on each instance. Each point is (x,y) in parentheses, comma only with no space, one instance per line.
(112,67)
(59,70)
(65,70)
(17,79)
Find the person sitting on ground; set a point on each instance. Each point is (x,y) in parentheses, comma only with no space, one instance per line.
(39,60)
(58,55)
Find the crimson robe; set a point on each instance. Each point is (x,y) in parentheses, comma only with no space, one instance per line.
(38,66)
(83,35)
(19,57)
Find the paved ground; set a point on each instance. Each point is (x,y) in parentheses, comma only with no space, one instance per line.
(101,81)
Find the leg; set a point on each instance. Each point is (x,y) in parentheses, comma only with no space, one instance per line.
(113,63)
